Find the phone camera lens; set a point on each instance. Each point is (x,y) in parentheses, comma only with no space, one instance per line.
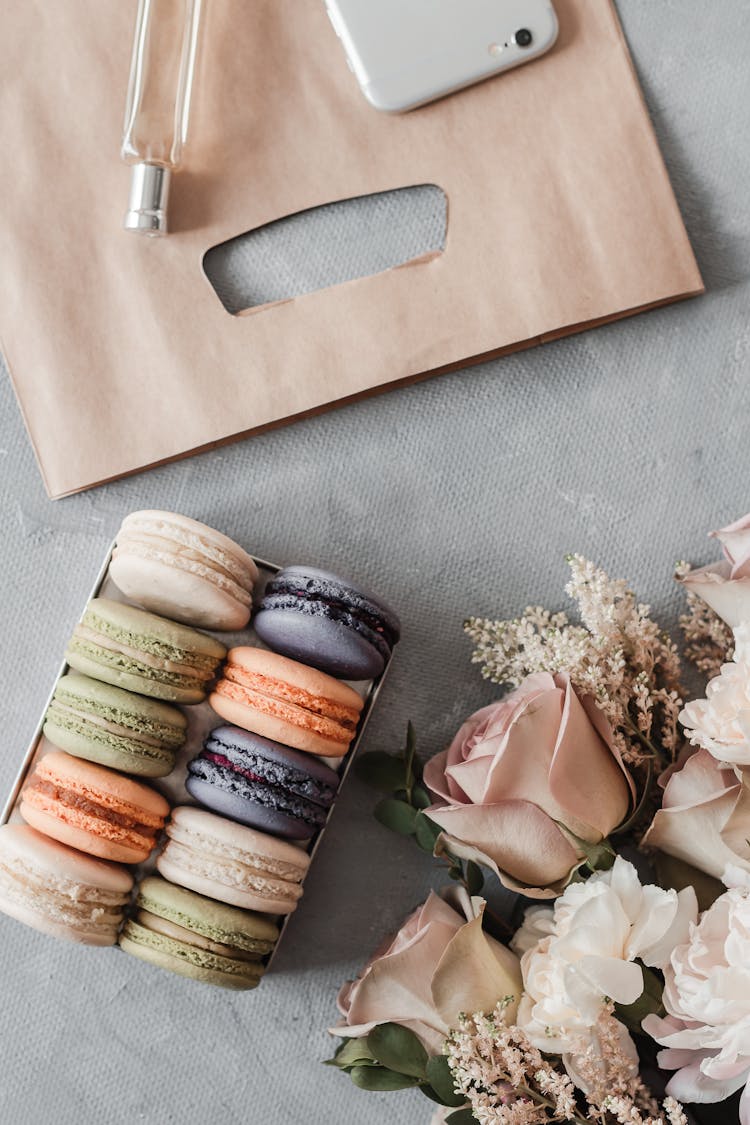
(523,37)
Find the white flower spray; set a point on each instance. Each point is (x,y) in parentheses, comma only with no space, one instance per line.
(617,655)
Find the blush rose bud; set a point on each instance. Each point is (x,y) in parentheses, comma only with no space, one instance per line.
(439,964)
(529,783)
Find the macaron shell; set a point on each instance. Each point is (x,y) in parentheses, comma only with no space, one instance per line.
(328,645)
(213,886)
(141,652)
(58,891)
(115,728)
(188,596)
(110,750)
(277,764)
(287,702)
(123,707)
(198,536)
(268,726)
(130,679)
(167,634)
(36,920)
(262,783)
(92,808)
(232,863)
(298,675)
(158,950)
(328,622)
(81,838)
(225,925)
(246,811)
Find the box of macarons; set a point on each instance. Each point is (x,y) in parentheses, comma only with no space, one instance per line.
(207,709)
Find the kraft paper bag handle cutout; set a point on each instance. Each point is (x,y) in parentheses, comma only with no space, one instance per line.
(561,215)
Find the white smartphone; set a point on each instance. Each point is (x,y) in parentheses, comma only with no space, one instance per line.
(405,53)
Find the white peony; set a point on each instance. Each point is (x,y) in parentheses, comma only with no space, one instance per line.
(583,950)
(707,997)
(720,723)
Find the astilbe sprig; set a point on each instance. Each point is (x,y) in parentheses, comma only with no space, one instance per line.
(507,1081)
(709,641)
(617,654)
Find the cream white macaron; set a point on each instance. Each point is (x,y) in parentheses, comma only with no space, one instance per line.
(231,863)
(184,570)
(59,891)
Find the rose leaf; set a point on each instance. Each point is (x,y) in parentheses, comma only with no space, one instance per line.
(426,832)
(379,1078)
(352,1052)
(399,1049)
(397,815)
(381,771)
(420,798)
(442,1082)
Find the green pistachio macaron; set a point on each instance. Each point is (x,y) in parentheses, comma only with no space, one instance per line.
(114,727)
(138,651)
(186,933)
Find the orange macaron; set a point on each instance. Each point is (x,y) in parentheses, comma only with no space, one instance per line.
(288,702)
(93,809)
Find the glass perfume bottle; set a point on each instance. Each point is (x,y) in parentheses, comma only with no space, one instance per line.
(158,106)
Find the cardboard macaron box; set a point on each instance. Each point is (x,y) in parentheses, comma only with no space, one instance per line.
(205,714)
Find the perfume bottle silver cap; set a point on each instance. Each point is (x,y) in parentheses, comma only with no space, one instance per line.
(149,191)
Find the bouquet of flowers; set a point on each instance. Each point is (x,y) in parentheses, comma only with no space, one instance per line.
(620,818)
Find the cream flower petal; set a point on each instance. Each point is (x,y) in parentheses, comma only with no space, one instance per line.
(691,1085)
(658,953)
(592,979)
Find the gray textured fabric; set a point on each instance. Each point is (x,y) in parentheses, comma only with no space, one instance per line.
(460,495)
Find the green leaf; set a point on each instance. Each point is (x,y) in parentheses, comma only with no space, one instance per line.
(426,832)
(381,771)
(420,798)
(396,815)
(352,1052)
(411,749)
(461,1117)
(678,874)
(474,877)
(399,1049)
(379,1078)
(441,1080)
(428,1092)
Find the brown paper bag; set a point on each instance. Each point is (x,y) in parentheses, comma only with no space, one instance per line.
(561,215)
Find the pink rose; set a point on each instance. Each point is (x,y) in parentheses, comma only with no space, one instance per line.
(523,777)
(705,817)
(440,963)
(725,586)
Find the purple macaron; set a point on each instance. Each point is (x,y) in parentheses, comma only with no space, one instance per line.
(327,622)
(262,783)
